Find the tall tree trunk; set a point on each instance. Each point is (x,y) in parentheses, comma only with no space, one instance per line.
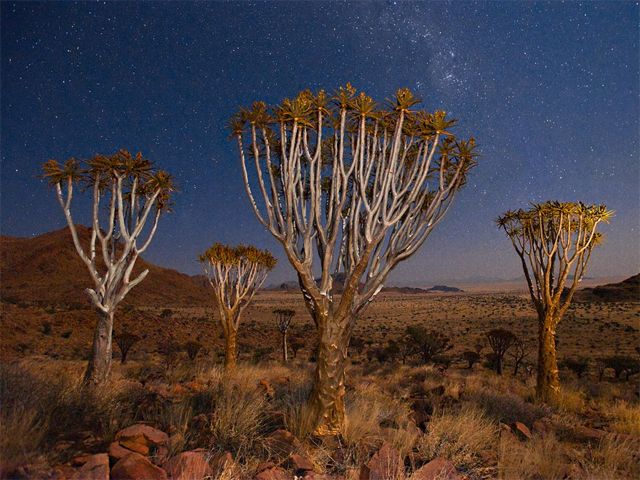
(326,400)
(498,364)
(285,356)
(99,364)
(548,380)
(231,351)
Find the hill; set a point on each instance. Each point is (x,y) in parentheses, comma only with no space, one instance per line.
(46,270)
(626,291)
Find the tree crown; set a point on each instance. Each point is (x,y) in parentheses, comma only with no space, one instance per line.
(219,254)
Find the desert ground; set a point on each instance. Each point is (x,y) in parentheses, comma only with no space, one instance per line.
(403,414)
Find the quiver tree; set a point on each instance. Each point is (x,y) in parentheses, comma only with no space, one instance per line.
(235,274)
(518,353)
(428,343)
(554,241)
(125,341)
(129,194)
(500,340)
(283,320)
(355,187)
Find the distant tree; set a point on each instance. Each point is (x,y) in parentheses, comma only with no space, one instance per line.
(283,320)
(428,343)
(577,365)
(134,193)
(235,274)
(125,341)
(192,347)
(355,187)
(500,340)
(169,348)
(471,357)
(518,353)
(554,241)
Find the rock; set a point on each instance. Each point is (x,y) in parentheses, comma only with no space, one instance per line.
(60,472)
(136,467)
(135,446)
(274,473)
(117,451)
(300,464)
(587,434)
(138,436)
(96,467)
(386,464)
(282,443)
(542,426)
(437,469)
(521,430)
(190,465)
(142,433)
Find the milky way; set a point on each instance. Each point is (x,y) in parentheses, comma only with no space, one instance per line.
(550,91)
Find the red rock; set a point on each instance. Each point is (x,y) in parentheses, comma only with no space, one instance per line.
(117,451)
(135,445)
(142,433)
(300,463)
(506,434)
(220,461)
(521,431)
(136,467)
(386,464)
(437,469)
(96,467)
(191,465)
(274,473)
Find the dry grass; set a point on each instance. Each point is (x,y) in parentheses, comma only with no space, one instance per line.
(625,417)
(613,458)
(539,458)
(461,437)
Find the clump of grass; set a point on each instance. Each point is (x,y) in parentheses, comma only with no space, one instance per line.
(459,436)
(613,458)
(540,457)
(625,417)
(237,422)
(571,400)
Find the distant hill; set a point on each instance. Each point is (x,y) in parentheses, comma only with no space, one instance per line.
(626,291)
(443,288)
(46,270)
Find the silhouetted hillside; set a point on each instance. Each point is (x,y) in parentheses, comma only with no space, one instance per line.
(626,291)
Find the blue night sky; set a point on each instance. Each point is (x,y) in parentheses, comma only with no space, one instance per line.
(550,91)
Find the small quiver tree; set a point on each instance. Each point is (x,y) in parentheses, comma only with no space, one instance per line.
(428,343)
(356,188)
(554,241)
(283,320)
(235,274)
(135,195)
(500,340)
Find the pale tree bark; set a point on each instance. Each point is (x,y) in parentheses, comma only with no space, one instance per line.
(358,192)
(554,242)
(130,205)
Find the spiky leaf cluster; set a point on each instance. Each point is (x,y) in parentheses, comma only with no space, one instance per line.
(242,254)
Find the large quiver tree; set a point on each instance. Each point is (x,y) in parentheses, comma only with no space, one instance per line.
(554,241)
(129,194)
(357,188)
(235,274)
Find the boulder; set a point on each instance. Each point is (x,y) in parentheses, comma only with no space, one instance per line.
(117,451)
(95,467)
(274,473)
(521,430)
(190,465)
(136,467)
(386,464)
(437,469)
(300,464)
(145,434)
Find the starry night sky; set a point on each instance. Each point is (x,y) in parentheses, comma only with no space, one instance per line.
(550,91)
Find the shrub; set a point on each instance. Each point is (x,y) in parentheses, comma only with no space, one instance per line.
(192,348)
(428,343)
(577,365)
(125,341)
(471,357)
(622,364)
